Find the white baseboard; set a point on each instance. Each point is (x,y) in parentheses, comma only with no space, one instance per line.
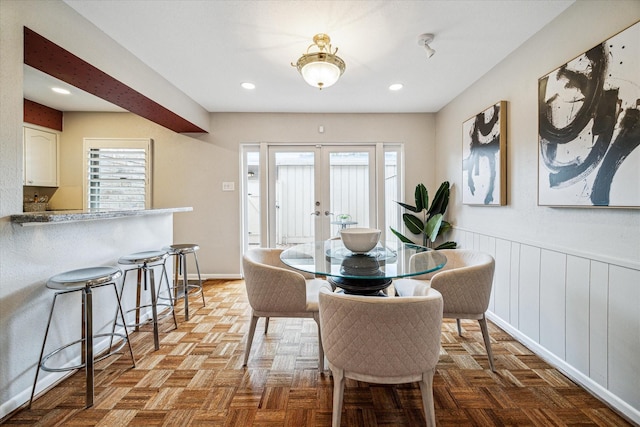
(215,276)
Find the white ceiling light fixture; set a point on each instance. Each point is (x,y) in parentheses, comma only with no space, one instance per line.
(322,68)
(396,86)
(424,40)
(248,85)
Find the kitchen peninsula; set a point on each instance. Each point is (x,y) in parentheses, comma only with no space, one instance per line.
(48,217)
(37,245)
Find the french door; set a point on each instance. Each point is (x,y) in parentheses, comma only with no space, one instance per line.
(314,190)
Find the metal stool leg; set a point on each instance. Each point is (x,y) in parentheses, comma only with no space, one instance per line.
(185,281)
(148,273)
(119,311)
(195,256)
(140,272)
(124,323)
(185,284)
(87,308)
(44,342)
(176,276)
(138,296)
(173,300)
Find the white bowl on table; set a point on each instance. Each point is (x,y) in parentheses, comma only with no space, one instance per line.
(360,240)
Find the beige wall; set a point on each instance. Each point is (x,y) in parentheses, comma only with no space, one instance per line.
(190,172)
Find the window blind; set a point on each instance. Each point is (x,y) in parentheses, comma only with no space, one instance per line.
(117,178)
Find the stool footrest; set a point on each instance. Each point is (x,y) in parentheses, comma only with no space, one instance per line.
(149,320)
(193,290)
(110,352)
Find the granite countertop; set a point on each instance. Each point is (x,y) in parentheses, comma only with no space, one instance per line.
(49,217)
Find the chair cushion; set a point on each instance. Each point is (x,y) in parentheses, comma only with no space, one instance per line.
(411,287)
(313,289)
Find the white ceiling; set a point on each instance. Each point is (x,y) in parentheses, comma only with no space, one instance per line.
(208,48)
(38,87)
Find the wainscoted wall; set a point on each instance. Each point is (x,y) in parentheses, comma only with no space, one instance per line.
(578,311)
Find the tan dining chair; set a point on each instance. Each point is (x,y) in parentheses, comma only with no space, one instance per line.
(465,283)
(275,290)
(382,340)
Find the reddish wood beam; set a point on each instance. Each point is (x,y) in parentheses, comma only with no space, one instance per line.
(48,57)
(42,115)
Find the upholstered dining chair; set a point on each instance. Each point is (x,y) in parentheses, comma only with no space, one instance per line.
(381,340)
(465,283)
(275,290)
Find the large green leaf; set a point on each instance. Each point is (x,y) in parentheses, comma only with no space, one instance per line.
(440,200)
(409,207)
(433,227)
(400,236)
(447,245)
(413,223)
(422,197)
(446,226)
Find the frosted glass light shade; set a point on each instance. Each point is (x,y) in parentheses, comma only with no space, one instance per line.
(320,74)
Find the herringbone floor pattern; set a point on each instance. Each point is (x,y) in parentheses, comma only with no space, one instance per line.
(197,379)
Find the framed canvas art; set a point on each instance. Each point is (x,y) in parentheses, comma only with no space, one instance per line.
(589,127)
(484,157)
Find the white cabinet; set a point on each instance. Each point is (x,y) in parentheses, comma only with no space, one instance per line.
(40,158)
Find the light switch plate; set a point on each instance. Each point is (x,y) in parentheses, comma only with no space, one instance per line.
(228,186)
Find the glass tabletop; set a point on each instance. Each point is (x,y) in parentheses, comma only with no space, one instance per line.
(387,260)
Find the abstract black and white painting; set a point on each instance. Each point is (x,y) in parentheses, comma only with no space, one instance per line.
(484,146)
(589,127)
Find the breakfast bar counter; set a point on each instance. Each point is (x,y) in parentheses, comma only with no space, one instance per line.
(35,246)
(49,217)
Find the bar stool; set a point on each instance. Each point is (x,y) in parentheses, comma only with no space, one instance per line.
(85,280)
(144,263)
(180,252)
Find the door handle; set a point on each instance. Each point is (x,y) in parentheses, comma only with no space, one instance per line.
(316,213)
(327,213)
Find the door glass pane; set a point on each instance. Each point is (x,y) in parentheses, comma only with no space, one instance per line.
(349,178)
(294,198)
(253,198)
(391,191)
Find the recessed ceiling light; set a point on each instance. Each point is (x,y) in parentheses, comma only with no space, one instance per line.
(60,90)
(396,86)
(248,85)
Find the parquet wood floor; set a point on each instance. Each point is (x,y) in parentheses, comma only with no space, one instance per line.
(197,379)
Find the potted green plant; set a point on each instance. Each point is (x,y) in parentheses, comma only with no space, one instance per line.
(427,221)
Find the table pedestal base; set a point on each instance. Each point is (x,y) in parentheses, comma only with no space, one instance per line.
(360,286)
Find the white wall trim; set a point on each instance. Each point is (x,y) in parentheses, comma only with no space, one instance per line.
(629,263)
(575,310)
(215,276)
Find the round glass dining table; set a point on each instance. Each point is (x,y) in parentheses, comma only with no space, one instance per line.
(365,274)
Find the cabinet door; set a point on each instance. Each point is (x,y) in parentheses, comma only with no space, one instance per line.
(40,158)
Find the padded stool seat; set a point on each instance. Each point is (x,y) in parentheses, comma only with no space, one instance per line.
(84,280)
(144,264)
(180,251)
